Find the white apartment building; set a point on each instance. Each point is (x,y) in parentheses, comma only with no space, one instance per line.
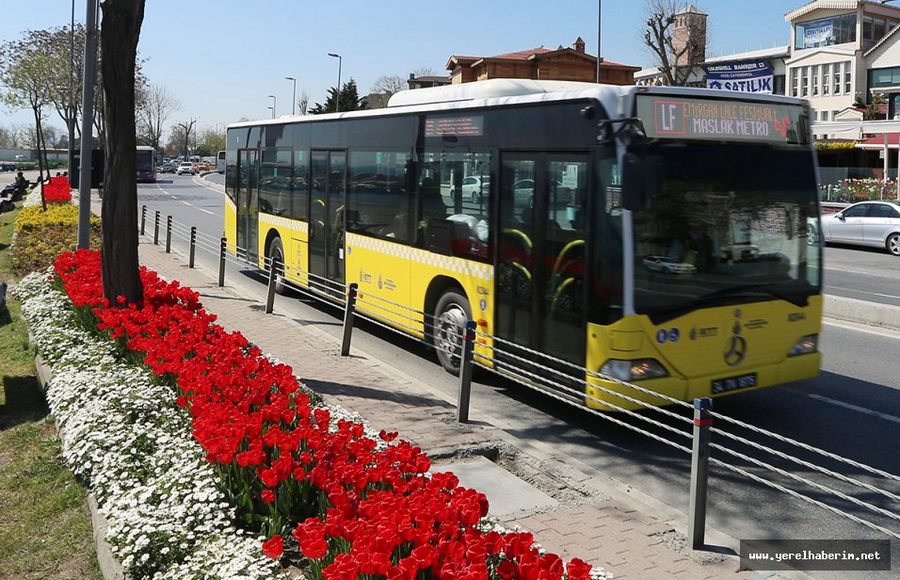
(834,45)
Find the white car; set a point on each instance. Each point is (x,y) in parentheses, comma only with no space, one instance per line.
(186,167)
(668,265)
(868,223)
(474,188)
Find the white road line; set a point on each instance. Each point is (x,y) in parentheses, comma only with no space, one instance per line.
(832,287)
(184,202)
(857,408)
(858,327)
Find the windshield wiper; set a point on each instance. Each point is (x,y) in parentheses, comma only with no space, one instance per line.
(797,297)
(729,295)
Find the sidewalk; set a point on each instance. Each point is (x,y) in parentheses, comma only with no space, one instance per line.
(607,532)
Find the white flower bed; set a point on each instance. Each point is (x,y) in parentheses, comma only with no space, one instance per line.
(124,436)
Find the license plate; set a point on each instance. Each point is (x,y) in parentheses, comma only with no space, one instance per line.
(733,383)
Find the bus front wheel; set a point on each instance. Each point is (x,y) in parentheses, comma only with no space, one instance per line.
(276,255)
(450,316)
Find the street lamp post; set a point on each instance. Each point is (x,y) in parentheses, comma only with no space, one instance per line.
(599,30)
(274,103)
(294,99)
(337,94)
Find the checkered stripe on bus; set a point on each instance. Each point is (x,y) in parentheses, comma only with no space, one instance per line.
(284,223)
(458,265)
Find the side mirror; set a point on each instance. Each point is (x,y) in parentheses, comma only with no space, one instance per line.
(633,192)
(840,216)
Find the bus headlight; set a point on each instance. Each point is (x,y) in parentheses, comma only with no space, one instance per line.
(806,345)
(633,370)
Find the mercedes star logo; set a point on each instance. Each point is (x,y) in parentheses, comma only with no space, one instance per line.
(737,349)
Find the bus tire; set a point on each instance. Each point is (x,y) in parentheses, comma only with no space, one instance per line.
(450,316)
(276,253)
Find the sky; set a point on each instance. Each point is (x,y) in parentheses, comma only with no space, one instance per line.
(222,58)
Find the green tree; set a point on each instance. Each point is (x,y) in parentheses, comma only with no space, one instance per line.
(23,66)
(349,100)
(119,34)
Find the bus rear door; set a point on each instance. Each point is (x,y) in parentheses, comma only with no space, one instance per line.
(248,202)
(326,220)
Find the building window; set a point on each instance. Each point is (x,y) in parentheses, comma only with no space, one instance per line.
(795,82)
(848,81)
(804,81)
(827,31)
(815,80)
(826,79)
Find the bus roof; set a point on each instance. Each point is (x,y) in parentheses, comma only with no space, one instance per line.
(500,92)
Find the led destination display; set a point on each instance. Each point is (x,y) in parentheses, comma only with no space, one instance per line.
(672,117)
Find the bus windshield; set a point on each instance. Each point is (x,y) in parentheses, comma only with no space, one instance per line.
(725,224)
(144,159)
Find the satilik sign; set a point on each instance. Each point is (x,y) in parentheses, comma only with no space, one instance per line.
(744,77)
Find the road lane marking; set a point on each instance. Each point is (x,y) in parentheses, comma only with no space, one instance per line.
(173,196)
(857,408)
(831,287)
(892,276)
(859,327)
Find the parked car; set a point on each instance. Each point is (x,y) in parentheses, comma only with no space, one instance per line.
(474,188)
(523,191)
(868,223)
(186,167)
(668,265)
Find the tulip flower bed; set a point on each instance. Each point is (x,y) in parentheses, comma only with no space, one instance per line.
(353,504)
(58,190)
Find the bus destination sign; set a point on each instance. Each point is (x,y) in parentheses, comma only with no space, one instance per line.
(675,117)
(470,126)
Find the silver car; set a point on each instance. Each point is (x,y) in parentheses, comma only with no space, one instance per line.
(868,223)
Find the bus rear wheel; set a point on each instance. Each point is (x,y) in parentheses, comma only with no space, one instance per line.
(450,316)
(276,255)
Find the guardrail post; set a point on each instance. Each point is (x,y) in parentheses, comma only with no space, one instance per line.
(193,246)
(699,472)
(168,234)
(143,218)
(156,229)
(223,244)
(348,318)
(270,289)
(465,372)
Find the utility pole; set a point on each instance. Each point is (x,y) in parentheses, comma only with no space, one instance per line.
(87,117)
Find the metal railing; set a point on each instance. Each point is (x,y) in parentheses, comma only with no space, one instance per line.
(652,414)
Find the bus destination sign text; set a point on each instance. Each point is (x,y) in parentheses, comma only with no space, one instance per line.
(713,119)
(470,126)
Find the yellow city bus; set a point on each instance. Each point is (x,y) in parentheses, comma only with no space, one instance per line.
(659,236)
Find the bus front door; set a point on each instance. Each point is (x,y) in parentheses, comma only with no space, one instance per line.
(248,203)
(326,221)
(540,289)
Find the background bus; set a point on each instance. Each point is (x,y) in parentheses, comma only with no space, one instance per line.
(146,164)
(672,254)
(220,162)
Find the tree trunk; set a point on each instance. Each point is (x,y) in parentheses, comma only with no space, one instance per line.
(119,33)
(37,137)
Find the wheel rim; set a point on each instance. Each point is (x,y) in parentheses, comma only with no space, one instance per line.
(894,244)
(450,325)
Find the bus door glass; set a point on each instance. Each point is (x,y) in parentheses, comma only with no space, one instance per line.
(326,220)
(541,249)
(248,202)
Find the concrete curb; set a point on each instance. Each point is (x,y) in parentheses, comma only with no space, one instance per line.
(862,312)
(110,567)
(202,181)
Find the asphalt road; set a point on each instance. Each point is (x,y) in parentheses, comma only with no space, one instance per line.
(853,409)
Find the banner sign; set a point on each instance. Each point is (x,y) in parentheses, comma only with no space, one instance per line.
(676,117)
(745,77)
(818,33)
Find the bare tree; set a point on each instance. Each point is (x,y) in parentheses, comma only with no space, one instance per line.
(303,103)
(181,136)
(119,34)
(153,109)
(388,85)
(424,71)
(676,54)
